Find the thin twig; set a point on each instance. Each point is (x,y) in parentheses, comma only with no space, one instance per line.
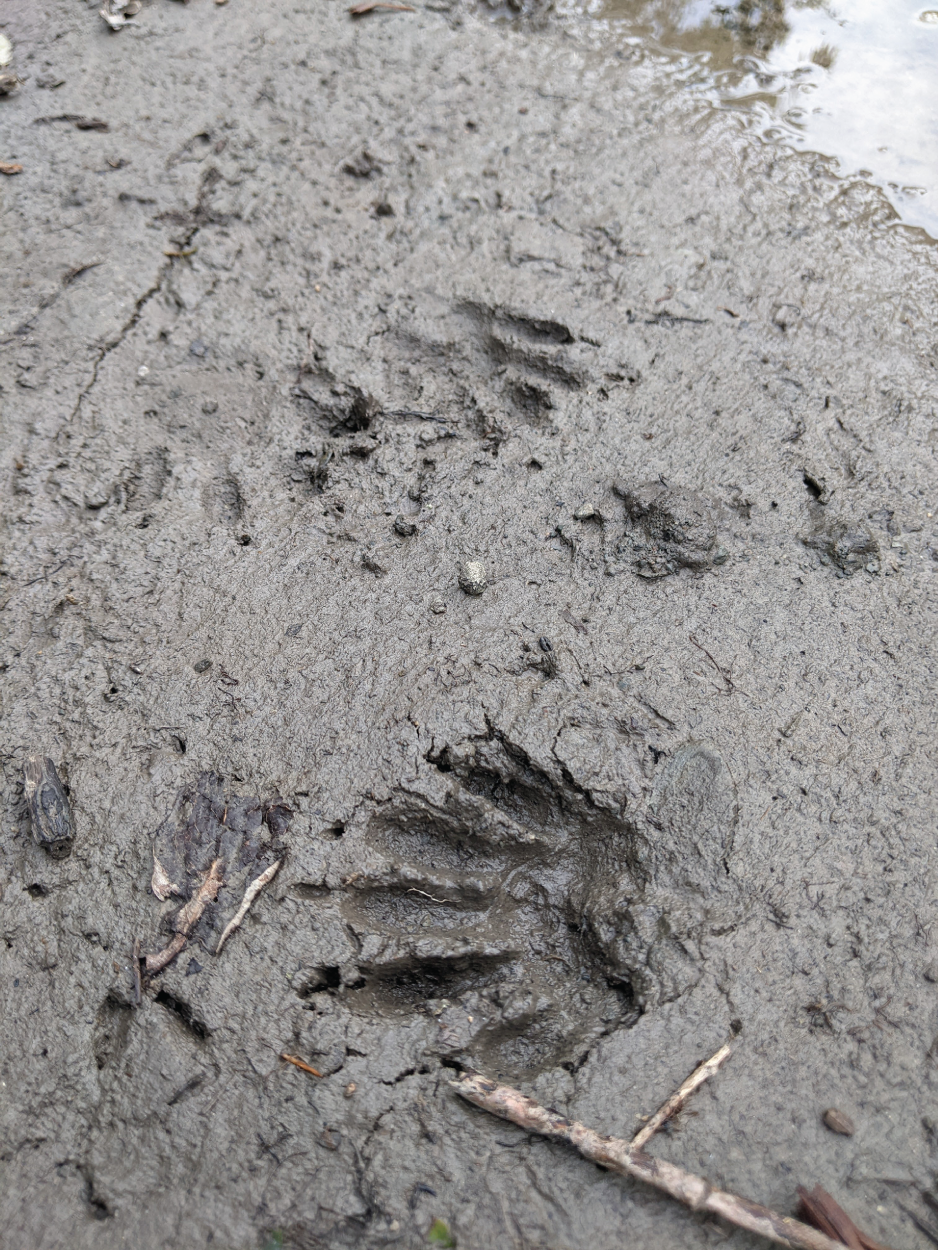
(250,894)
(730,684)
(618,1156)
(680,1096)
(414,890)
(187,918)
(298,1063)
(368,5)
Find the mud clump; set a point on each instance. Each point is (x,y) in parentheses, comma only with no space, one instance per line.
(848,547)
(668,529)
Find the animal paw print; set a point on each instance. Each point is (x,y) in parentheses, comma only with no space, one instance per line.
(527,921)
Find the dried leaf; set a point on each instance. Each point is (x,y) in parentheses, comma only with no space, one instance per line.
(160,883)
(820,1210)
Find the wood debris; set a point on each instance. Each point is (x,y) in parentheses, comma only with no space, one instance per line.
(79,121)
(188,917)
(367,6)
(630,1159)
(160,883)
(680,1096)
(820,1210)
(298,1063)
(49,811)
(250,894)
(10,167)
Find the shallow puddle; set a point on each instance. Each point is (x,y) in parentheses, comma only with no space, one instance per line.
(855,81)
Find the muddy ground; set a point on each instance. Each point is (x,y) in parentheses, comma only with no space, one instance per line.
(329,309)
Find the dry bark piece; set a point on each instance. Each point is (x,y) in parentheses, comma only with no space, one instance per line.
(9,167)
(357,10)
(188,917)
(250,894)
(49,810)
(618,1156)
(837,1122)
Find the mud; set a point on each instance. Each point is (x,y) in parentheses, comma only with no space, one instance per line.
(333,310)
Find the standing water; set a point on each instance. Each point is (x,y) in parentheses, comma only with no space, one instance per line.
(852,81)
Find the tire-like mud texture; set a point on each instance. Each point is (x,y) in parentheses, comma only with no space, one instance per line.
(332,311)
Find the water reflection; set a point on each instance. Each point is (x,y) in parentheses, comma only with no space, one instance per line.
(722,30)
(854,80)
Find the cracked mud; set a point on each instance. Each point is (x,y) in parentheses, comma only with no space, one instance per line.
(439,458)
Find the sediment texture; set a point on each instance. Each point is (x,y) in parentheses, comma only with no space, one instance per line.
(332,310)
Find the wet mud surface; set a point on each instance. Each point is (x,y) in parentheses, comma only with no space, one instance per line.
(331,314)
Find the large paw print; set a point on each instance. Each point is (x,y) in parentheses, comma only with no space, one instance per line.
(525,919)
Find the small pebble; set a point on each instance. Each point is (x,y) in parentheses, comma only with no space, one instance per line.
(404,526)
(437,605)
(931,972)
(472,578)
(202,666)
(720,555)
(584,512)
(837,1122)
(350,1089)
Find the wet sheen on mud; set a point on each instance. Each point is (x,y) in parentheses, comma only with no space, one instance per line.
(852,81)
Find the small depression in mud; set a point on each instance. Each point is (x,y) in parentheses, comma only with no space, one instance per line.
(853,82)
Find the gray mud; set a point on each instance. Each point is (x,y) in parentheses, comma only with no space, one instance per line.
(331,309)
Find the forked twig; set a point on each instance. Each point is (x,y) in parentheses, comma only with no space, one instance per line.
(680,1096)
(620,1156)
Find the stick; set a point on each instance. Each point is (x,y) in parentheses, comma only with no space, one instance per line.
(368,5)
(618,1156)
(680,1096)
(187,918)
(138,992)
(250,894)
(298,1063)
